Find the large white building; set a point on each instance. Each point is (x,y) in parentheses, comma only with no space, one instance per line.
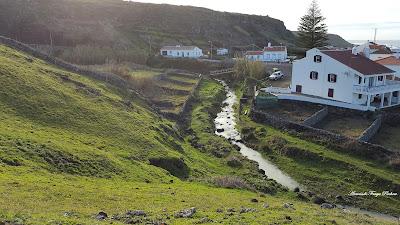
(181,51)
(268,54)
(343,78)
(222,51)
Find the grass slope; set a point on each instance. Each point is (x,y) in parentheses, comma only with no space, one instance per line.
(71,147)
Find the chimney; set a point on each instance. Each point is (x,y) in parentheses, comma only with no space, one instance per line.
(269,44)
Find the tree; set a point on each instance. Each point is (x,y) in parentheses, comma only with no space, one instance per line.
(312,29)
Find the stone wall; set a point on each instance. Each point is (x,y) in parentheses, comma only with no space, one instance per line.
(323,137)
(186,106)
(370,132)
(317,117)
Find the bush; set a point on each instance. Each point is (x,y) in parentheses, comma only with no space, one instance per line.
(245,69)
(234,162)
(277,143)
(231,182)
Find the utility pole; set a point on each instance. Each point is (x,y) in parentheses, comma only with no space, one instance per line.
(376,29)
(211,49)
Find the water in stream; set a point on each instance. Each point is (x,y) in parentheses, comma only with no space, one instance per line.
(225,125)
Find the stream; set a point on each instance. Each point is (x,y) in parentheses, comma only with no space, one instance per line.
(225,125)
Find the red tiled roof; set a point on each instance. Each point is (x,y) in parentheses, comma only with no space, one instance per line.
(275,49)
(254,52)
(389,61)
(358,62)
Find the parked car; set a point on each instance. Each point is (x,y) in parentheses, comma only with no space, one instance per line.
(276,75)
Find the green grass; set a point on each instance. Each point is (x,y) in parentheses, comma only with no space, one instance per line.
(325,171)
(73,144)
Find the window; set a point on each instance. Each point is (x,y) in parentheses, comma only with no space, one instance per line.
(396,94)
(314,75)
(187,54)
(330,92)
(164,53)
(359,80)
(380,78)
(299,88)
(332,78)
(359,96)
(317,58)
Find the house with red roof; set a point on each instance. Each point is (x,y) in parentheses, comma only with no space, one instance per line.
(391,62)
(343,78)
(268,54)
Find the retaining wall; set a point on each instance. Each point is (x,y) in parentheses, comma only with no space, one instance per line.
(317,117)
(371,131)
(323,137)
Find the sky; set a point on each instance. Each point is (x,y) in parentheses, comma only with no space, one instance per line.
(351,19)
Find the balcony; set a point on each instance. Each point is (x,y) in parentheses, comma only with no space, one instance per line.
(390,86)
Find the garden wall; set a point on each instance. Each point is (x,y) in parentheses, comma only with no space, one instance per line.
(317,117)
(323,137)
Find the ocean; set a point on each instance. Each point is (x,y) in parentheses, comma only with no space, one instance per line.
(389,43)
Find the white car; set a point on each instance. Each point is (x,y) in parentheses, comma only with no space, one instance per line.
(276,76)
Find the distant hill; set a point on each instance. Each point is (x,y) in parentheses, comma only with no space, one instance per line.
(335,40)
(94,31)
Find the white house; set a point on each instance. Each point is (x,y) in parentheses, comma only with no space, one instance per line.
(392,63)
(268,54)
(343,78)
(181,51)
(375,51)
(255,55)
(222,51)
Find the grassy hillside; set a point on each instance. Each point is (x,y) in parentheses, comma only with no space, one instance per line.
(71,147)
(93,32)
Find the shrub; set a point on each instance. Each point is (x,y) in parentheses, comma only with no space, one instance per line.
(234,162)
(277,143)
(231,182)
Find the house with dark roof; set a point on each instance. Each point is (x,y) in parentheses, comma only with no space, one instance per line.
(268,54)
(343,78)
(179,51)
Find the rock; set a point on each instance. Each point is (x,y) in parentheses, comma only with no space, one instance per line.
(101,216)
(254,200)
(327,206)
(266,205)
(231,210)
(339,198)
(288,218)
(204,220)
(318,200)
(246,210)
(261,171)
(288,206)
(297,189)
(302,196)
(136,213)
(220,130)
(220,210)
(186,213)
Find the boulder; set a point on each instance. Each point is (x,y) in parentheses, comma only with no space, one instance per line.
(186,213)
(327,206)
(101,216)
(136,213)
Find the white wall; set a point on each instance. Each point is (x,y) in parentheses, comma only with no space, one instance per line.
(275,56)
(343,88)
(196,53)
